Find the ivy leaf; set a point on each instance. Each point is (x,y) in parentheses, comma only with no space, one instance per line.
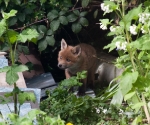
(12,36)
(27,34)
(2,26)
(83,21)
(50,40)
(72,17)
(76,27)
(8,15)
(42,45)
(63,20)
(52,15)
(85,3)
(55,25)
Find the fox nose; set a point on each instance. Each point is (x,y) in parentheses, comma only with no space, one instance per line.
(59,65)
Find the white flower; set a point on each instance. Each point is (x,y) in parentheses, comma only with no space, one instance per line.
(121,45)
(104,111)
(114,28)
(103,27)
(144,29)
(106,8)
(133,29)
(144,17)
(97,110)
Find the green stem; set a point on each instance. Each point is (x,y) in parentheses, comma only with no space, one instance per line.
(15,99)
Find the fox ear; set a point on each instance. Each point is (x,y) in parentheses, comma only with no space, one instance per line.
(63,44)
(76,50)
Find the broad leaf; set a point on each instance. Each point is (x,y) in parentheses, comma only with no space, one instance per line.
(72,17)
(19,68)
(83,21)
(63,20)
(55,25)
(52,15)
(84,13)
(23,49)
(76,12)
(95,13)
(50,32)
(8,15)
(117,98)
(42,1)
(6,2)
(27,34)
(85,3)
(12,36)
(50,40)
(12,21)
(62,12)
(129,95)
(42,29)
(21,17)
(11,77)
(76,27)
(42,45)
(2,26)
(5,69)
(126,81)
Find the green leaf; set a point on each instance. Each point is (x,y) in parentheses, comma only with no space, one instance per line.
(63,20)
(11,77)
(137,120)
(27,34)
(63,12)
(23,49)
(6,2)
(84,13)
(117,98)
(50,40)
(2,26)
(42,45)
(83,21)
(72,17)
(95,13)
(138,105)
(12,21)
(76,27)
(129,95)
(142,43)
(85,3)
(52,15)
(5,69)
(50,32)
(42,29)
(21,17)
(26,96)
(12,36)
(126,81)
(55,25)
(8,15)
(42,1)
(30,66)
(133,14)
(19,68)
(76,12)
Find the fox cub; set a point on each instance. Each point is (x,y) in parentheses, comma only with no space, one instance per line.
(75,59)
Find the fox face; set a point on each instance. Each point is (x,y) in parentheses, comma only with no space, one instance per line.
(68,56)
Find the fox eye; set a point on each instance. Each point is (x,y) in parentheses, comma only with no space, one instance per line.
(68,60)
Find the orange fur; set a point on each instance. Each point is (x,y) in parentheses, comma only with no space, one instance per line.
(75,59)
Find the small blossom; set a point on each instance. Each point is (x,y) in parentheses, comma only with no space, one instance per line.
(104,111)
(103,27)
(144,29)
(97,110)
(121,45)
(114,28)
(144,17)
(106,8)
(133,29)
